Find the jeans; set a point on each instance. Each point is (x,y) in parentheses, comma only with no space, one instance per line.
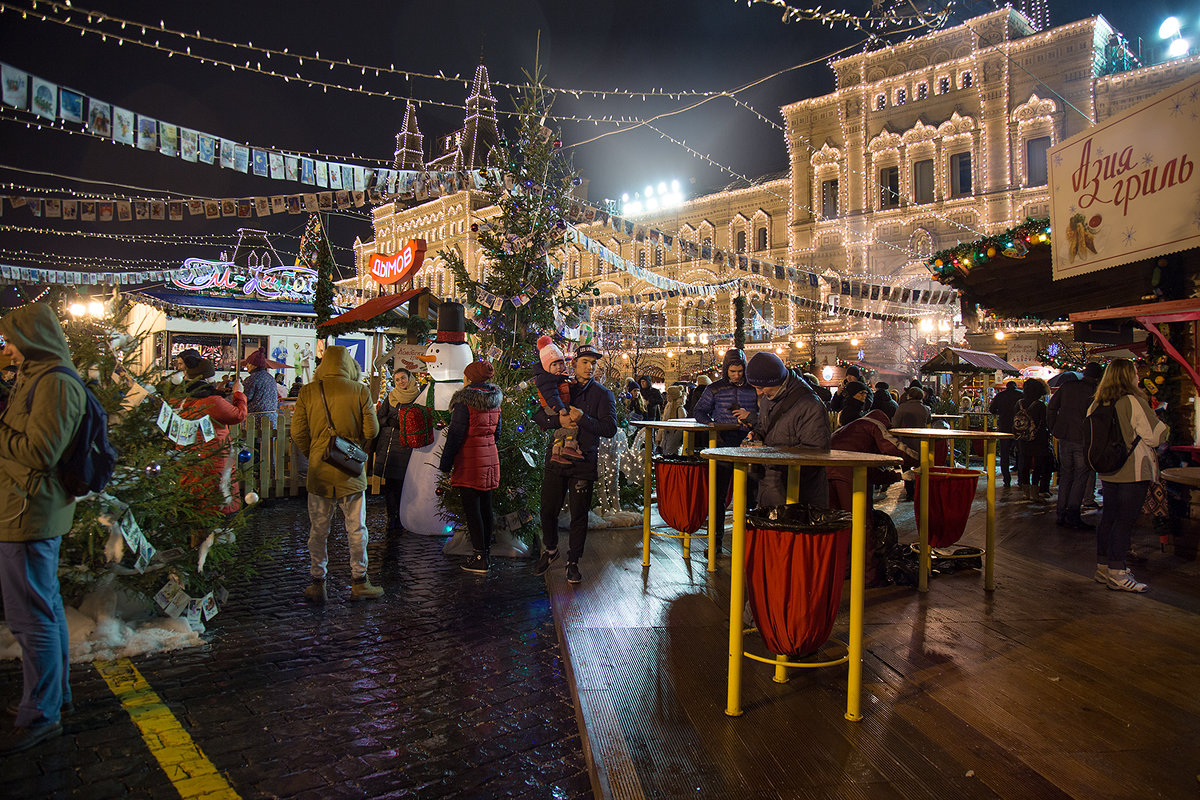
(477,513)
(33,607)
(320,514)
(1122,507)
(1074,476)
(578,494)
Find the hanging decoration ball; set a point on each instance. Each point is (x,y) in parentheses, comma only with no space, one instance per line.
(560,224)
(1157,379)
(474,227)
(576,181)
(503,142)
(251,498)
(520,429)
(439,491)
(937,262)
(596,290)
(991,251)
(557,143)
(153,469)
(244,455)
(523,385)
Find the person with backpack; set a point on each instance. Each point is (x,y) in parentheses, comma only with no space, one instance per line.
(393,449)
(1034,461)
(1065,416)
(1122,434)
(38,427)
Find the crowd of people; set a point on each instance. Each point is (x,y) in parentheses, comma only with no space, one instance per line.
(760,400)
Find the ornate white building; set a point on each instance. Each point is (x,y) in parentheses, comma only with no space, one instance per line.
(924,144)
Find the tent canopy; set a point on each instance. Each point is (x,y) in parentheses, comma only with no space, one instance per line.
(373,308)
(959,361)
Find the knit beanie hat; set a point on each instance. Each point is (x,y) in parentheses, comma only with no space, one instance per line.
(766,369)
(190,357)
(479,371)
(703,380)
(548,353)
(202,368)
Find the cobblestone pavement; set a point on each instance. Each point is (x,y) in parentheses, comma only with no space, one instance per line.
(452,685)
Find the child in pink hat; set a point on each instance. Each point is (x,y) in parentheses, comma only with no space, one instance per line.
(554,393)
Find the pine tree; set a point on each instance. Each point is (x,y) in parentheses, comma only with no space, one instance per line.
(530,186)
(315,253)
(175,517)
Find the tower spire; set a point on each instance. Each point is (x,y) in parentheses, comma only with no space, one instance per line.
(410,144)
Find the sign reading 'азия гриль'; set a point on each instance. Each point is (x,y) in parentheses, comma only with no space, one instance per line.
(1128,189)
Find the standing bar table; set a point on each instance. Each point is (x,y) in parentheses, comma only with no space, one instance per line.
(927,435)
(793,458)
(1188,476)
(690,428)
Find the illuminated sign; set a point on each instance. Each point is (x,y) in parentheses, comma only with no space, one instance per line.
(400,267)
(295,284)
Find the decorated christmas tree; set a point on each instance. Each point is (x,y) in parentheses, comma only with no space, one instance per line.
(316,254)
(521,295)
(158,530)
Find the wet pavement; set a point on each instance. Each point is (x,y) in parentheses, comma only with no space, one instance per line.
(452,685)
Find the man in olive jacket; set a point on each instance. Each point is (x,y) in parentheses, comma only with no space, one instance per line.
(35,512)
(353,415)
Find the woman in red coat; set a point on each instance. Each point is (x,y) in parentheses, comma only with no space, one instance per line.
(203,399)
(471,456)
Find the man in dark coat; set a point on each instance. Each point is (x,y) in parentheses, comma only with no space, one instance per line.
(1065,416)
(912,413)
(38,425)
(853,375)
(652,398)
(1004,406)
(728,401)
(883,400)
(789,415)
(594,414)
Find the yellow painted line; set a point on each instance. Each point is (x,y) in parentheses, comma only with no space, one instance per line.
(193,775)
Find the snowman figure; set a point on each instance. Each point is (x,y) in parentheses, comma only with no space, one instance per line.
(447,356)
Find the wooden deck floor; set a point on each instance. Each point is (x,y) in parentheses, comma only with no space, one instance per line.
(1051,687)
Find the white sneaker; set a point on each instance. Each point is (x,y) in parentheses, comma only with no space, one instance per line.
(1101,575)
(1122,580)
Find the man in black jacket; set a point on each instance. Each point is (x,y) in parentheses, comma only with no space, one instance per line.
(1004,406)
(593,414)
(1065,416)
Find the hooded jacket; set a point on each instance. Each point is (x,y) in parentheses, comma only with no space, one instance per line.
(33,503)
(722,396)
(470,455)
(353,416)
(1004,406)
(652,398)
(795,417)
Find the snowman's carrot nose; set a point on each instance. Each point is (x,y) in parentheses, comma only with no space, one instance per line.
(428,359)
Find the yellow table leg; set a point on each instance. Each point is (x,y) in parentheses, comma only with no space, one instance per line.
(687,537)
(858,579)
(793,485)
(713,522)
(781,673)
(737,592)
(647,488)
(989,542)
(923,523)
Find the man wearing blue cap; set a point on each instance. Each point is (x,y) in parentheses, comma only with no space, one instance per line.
(789,415)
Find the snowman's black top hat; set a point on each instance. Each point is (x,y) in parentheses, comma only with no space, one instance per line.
(451,323)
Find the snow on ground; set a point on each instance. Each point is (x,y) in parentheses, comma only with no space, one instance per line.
(108,626)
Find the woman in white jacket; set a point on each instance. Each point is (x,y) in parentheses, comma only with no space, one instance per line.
(1125,489)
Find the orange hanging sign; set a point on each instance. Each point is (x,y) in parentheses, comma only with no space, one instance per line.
(399,267)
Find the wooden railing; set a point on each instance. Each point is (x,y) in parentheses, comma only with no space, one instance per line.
(277,468)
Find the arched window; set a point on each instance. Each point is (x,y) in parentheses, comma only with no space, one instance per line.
(760,239)
(741,241)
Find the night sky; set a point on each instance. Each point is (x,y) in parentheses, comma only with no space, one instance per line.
(674,45)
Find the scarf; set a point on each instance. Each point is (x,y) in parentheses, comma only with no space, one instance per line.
(402,397)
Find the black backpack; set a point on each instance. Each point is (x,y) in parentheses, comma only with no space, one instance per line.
(1103,441)
(87,463)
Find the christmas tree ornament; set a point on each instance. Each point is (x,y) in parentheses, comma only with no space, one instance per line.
(244,455)
(251,498)
(153,469)
(439,491)
(440,425)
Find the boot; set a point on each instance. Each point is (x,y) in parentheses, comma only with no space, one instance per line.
(315,591)
(363,590)
(1073,516)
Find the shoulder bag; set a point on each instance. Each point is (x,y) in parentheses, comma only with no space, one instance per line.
(341,452)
